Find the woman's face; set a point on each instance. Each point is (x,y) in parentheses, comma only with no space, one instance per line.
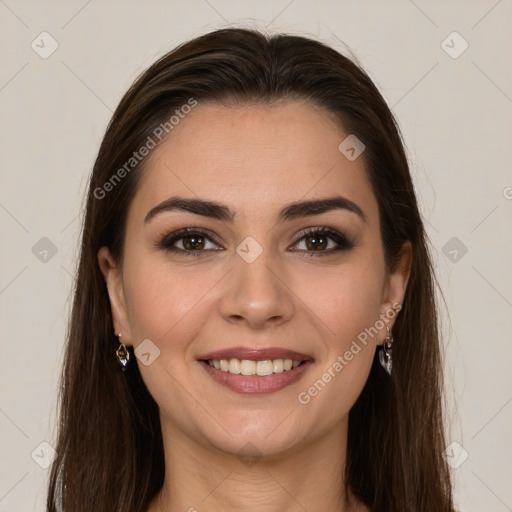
(249,284)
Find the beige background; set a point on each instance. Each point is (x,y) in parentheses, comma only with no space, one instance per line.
(455,114)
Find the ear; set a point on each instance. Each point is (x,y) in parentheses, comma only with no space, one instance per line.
(396,285)
(114,281)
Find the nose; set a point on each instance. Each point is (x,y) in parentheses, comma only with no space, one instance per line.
(256,294)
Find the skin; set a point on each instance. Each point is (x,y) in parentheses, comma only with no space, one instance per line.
(254,159)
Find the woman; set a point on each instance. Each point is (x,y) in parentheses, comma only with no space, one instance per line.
(254,324)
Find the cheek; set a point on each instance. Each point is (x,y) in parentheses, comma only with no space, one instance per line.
(344,301)
(167,307)
(350,311)
(347,302)
(162,301)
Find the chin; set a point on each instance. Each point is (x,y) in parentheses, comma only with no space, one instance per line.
(273,436)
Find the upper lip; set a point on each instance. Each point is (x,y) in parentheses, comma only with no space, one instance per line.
(255,354)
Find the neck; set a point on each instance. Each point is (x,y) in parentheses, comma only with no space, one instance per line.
(308,477)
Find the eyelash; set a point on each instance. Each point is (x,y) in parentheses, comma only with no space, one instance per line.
(344,244)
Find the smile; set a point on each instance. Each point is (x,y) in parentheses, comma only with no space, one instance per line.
(254,371)
(248,367)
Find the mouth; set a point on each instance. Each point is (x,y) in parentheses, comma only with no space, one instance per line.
(255,371)
(261,368)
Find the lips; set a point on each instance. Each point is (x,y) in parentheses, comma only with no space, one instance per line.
(255,354)
(240,362)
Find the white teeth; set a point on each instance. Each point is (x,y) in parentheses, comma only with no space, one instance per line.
(278,366)
(249,367)
(234,366)
(264,368)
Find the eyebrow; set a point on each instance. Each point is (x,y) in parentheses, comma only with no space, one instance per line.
(221,212)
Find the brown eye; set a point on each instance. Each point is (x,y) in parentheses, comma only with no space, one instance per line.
(193,242)
(188,241)
(323,241)
(316,242)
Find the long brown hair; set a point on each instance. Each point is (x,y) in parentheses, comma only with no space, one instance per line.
(110,451)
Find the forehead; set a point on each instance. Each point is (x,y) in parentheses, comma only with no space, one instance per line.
(254,158)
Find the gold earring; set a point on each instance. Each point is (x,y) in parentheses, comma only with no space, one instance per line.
(122,354)
(385,353)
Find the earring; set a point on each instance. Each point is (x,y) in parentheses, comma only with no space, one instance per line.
(385,352)
(122,354)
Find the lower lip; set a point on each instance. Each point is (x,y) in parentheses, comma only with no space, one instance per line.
(253,384)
